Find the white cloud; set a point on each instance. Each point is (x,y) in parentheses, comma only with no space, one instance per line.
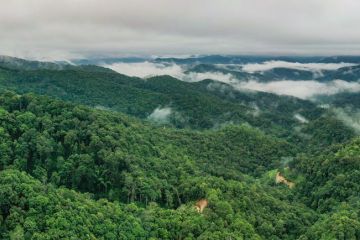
(316,67)
(256,110)
(301,89)
(221,77)
(160,115)
(350,117)
(300,118)
(147,69)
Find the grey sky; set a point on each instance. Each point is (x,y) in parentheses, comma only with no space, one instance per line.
(58,29)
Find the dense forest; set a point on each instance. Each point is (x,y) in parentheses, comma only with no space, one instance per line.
(194,105)
(81,159)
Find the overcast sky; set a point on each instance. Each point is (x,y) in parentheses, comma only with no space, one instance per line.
(60,29)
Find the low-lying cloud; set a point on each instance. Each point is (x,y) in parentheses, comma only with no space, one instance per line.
(350,117)
(301,89)
(300,118)
(315,67)
(147,69)
(150,69)
(160,115)
(218,76)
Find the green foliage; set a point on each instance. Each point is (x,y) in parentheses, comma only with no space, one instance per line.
(72,172)
(328,130)
(31,210)
(203,105)
(125,160)
(41,211)
(340,225)
(335,176)
(110,154)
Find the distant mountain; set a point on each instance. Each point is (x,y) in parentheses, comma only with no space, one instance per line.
(340,59)
(220,59)
(284,67)
(233,59)
(13,63)
(350,74)
(274,74)
(21,64)
(108,61)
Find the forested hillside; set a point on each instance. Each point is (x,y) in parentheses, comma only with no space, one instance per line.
(201,105)
(83,155)
(153,176)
